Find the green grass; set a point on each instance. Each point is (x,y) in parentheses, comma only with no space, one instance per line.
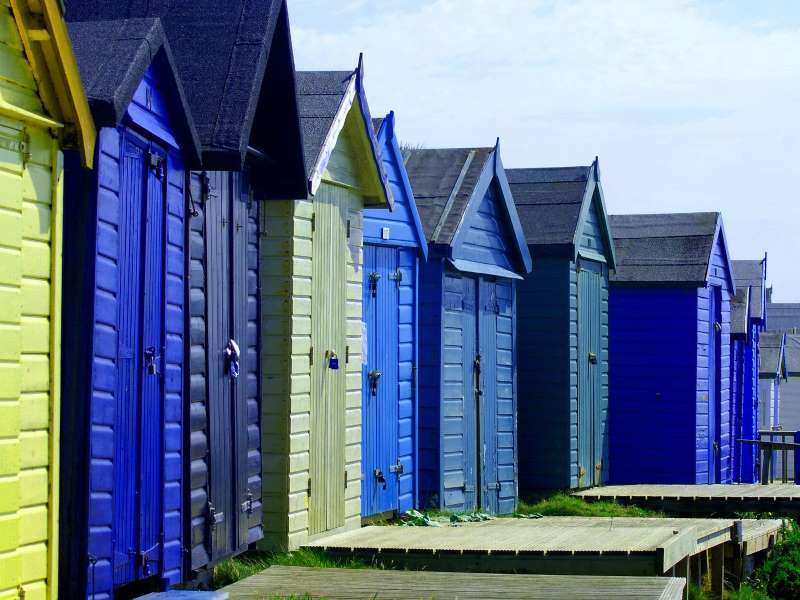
(250,563)
(564,505)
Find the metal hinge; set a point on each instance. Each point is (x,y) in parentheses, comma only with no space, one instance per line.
(347,355)
(397,469)
(345,478)
(397,277)
(348,229)
(247,505)
(313,222)
(311,355)
(155,161)
(413,377)
(214,518)
(493,486)
(308,488)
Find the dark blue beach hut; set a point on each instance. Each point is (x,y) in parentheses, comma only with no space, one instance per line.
(562,328)
(467,371)
(669,329)
(235,61)
(394,245)
(124,275)
(748,320)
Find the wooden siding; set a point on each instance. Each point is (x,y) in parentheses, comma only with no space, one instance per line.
(789,414)
(744,406)
(652,384)
(547,388)
(30,321)
(488,238)
(718,276)
(407,364)
(591,238)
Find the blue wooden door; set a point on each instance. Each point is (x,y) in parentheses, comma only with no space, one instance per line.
(486,396)
(459,424)
(714,395)
(590,409)
(380,387)
(138,447)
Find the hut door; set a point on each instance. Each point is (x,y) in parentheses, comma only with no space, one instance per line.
(328,355)
(590,409)
(486,397)
(380,389)
(229,505)
(714,383)
(138,449)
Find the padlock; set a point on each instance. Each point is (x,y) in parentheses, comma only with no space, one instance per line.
(333,361)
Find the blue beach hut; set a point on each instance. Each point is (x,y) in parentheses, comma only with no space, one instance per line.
(748,320)
(235,61)
(394,245)
(124,275)
(467,371)
(562,328)
(772,372)
(669,330)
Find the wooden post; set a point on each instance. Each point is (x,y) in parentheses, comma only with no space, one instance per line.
(766,463)
(682,569)
(796,462)
(716,570)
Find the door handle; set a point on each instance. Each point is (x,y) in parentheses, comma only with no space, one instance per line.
(374,376)
(593,358)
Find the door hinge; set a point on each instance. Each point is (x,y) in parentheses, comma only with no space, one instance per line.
(413,379)
(308,488)
(213,517)
(345,478)
(155,161)
(313,222)
(348,229)
(468,488)
(495,486)
(397,469)
(397,277)
(247,505)
(311,355)
(347,355)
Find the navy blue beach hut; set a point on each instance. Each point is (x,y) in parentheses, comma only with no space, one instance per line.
(669,330)
(467,370)
(235,61)
(562,328)
(748,320)
(124,275)
(394,245)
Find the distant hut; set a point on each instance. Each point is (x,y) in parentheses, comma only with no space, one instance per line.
(562,328)
(772,373)
(467,372)
(748,320)
(394,245)
(669,329)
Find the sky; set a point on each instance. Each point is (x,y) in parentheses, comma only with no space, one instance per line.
(690,105)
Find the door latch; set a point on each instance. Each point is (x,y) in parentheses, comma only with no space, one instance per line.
(156,163)
(374,376)
(380,477)
(373,283)
(150,358)
(247,505)
(214,517)
(477,368)
(397,277)
(397,468)
(593,358)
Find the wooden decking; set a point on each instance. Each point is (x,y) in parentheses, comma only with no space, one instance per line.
(552,545)
(704,499)
(358,584)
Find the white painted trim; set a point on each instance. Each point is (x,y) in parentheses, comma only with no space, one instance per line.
(333,136)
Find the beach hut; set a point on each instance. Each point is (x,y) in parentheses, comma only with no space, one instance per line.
(394,245)
(772,372)
(124,272)
(748,320)
(467,367)
(669,330)
(43,110)
(235,61)
(562,328)
(311,274)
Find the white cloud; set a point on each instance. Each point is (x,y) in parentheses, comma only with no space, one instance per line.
(686,113)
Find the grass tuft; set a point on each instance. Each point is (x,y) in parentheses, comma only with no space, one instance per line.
(564,505)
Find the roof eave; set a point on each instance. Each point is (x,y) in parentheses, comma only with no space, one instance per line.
(719,234)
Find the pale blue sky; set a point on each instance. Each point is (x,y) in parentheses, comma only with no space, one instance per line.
(691,105)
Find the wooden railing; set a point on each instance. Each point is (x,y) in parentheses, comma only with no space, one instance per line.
(770,442)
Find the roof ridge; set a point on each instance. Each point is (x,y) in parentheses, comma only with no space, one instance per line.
(453,193)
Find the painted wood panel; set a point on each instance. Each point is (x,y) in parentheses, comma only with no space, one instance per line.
(488,238)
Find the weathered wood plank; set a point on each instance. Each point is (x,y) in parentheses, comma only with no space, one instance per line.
(341,584)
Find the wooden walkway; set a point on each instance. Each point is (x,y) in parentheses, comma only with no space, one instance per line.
(704,499)
(358,584)
(552,545)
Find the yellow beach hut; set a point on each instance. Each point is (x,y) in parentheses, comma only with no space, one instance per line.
(42,110)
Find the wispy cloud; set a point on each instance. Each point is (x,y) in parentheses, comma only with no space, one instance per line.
(687,112)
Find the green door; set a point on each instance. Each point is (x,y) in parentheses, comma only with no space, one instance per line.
(328,357)
(590,409)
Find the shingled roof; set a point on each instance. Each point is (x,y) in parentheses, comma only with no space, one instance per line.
(113,57)
(664,249)
(793,354)
(235,61)
(783,316)
(751,273)
(771,347)
(324,100)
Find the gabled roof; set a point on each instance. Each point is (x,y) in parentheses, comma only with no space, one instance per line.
(448,185)
(325,99)
(235,61)
(113,57)
(783,316)
(753,273)
(390,149)
(740,311)
(667,249)
(47,47)
(793,354)
(772,346)
(553,204)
